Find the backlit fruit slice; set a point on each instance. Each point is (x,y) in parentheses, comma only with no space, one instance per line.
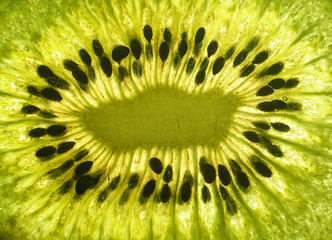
(165,119)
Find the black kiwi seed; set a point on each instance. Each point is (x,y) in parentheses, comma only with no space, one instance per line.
(57,82)
(67,165)
(218,65)
(137,68)
(165,194)
(200,76)
(266,106)
(51,94)
(46,114)
(45,152)
(212,48)
(252,44)
(79,75)
(277,83)
(97,48)
(85,57)
(83,168)
(240,58)
(119,53)
(197,49)
(262,125)
(242,179)
(156,165)
(110,187)
(260,57)
(167,35)
(176,60)
(148,51)
(57,172)
(29,109)
(190,65)
(206,195)
(82,184)
(275,150)
(224,175)
(265,91)
(168,174)
(70,65)
(106,66)
(149,188)
(275,68)
(80,155)
(163,51)
(231,206)
(122,73)
(262,169)
(114,183)
(66,186)
(91,73)
(199,35)
(44,71)
(183,47)
(204,64)
(281,127)
(185,191)
(124,197)
(235,166)
(246,71)
(37,132)
(65,147)
(251,136)
(291,83)
(294,106)
(55,130)
(133,181)
(147,30)
(230,53)
(209,173)
(33,90)
(279,104)
(136,48)
(224,193)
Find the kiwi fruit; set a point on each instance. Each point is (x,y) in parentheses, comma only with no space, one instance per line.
(165,119)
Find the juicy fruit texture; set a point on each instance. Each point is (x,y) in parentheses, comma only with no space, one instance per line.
(165,120)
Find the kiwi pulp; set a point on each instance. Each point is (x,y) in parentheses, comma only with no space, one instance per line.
(165,119)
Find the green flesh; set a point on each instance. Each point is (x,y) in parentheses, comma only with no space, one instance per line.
(165,114)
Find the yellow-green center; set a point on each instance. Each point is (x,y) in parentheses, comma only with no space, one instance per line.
(162,117)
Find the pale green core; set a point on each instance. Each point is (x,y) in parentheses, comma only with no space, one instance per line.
(162,117)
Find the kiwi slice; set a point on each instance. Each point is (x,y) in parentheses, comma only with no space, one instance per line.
(165,119)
